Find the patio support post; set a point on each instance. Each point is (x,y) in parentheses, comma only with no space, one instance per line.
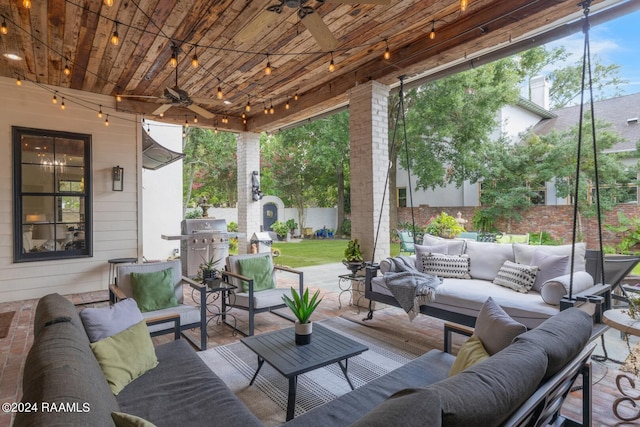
(249,211)
(369,123)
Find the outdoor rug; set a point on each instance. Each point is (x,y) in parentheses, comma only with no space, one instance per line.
(5,322)
(267,397)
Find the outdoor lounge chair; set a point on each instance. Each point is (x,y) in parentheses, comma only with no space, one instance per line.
(407,243)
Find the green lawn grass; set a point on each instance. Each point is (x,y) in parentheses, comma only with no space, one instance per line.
(309,252)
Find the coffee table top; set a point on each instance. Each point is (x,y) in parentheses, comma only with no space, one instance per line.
(279,349)
(620,320)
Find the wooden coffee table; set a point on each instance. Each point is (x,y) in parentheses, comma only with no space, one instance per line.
(280,351)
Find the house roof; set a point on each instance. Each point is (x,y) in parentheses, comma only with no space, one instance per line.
(620,112)
(235,39)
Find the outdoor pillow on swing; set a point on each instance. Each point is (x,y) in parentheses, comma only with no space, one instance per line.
(455,266)
(260,270)
(518,277)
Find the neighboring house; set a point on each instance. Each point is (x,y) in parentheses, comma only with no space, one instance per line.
(533,114)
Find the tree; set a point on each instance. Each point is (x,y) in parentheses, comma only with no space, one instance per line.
(210,167)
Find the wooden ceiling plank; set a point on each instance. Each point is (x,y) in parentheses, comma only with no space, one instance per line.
(55,39)
(81,54)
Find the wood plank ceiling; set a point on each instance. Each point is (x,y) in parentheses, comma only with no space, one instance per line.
(234,40)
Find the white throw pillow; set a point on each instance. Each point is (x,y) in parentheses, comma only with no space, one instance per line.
(554,290)
(486,259)
(550,266)
(524,253)
(518,277)
(455,246)
(420,250)
(456,266)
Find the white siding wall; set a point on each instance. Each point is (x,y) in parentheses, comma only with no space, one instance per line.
(115,214)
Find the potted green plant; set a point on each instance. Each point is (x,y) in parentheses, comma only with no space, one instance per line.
(208,272)
(302,307)
(281,229)
(291,225)
(353,259)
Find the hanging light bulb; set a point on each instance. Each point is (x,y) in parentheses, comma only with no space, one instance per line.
(118,98)
(387,53)
(3,27)
(295,96)
(18,81)
(271,109)
(62,106)
(216,131)
(108,3)
(463,5)
(287,106)
(266,110)
(267,69)
(174,59)
(100,112)
(143,120)
(55,98)
(195,119)
(194,60)
(219,94)
(244,121)
(26,4)
(115,39)
(332,66)
(244,116)
(162,114)
(67,70)
(432,34)
(247,107)
(106,121)
(186,122)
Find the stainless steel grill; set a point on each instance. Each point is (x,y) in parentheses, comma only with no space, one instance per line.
(203,239)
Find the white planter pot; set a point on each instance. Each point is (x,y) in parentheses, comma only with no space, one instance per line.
(303,332)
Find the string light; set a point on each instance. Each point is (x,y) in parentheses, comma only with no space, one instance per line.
(247,107)
(62,106)
(3,27)
(55,98)
(115,39)
(194,60)
(186,122)
(108,3)
(100,112)
(244,116)
(195,119)
(332,66)
(267,69)
(295,96)
(271,109)
(387,53)
(463,5)
(287,106)
(220,94)
(18,81)
(266,110)
(26,4)
(106,121)
(118,98)
(174,58)
(432,34)
(67,70)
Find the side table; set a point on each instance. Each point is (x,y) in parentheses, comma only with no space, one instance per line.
(620,320)
(345,283)
(217,290)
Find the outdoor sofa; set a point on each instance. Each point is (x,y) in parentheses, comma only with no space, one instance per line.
(465,288)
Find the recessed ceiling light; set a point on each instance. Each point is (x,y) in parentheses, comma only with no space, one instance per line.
(227,102)
(12,56)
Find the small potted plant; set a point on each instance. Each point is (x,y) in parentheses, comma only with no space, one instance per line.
(353,259)
(208,272)
(291,225)
(281,229)
(302,307)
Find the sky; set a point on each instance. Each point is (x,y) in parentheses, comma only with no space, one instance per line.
(614,42)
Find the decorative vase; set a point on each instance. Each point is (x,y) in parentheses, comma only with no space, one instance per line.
(209,274)
(303,332)
(353,266)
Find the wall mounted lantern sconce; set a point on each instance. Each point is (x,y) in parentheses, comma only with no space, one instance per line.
(255,186)
(118,178)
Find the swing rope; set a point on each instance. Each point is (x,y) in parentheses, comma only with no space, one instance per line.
(586,69)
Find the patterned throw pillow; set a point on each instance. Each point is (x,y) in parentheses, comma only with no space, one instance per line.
(454,266)
(518,277)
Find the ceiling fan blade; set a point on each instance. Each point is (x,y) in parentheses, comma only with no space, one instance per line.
(320,32)
(382,2)
(262,23)
(138,96)
(173,92)
(199,110)
(161,109)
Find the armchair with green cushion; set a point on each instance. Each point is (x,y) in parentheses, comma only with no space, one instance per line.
(406,242)
(157,288)
(255,278)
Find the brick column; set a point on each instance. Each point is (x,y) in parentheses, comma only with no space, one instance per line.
(368,105)
(249,213)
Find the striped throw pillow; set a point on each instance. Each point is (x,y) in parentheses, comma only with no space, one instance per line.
(454,266)
(519,277)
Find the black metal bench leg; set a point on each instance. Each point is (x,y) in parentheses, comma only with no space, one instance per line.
(260,363)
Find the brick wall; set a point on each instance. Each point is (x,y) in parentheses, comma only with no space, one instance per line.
(555,220)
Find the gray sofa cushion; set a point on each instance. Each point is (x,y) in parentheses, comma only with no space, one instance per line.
(562,337)
(488,258)
(182,391)
(523,254)
(54,308)
(61,369)
(407,408)
(455,246)
(488,392)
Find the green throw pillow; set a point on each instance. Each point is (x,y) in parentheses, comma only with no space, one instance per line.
(260,270)
(154,291)
(125,356)
(127,420)
(470,353)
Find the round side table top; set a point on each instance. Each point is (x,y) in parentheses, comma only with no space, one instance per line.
(620,320)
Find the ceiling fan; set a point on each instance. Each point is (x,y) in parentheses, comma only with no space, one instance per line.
(308,16)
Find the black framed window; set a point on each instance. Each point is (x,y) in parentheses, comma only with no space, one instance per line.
(51,195)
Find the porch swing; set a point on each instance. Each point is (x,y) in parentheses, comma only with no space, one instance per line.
(594,304)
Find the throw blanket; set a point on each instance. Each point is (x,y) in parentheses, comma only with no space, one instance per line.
(410,287)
